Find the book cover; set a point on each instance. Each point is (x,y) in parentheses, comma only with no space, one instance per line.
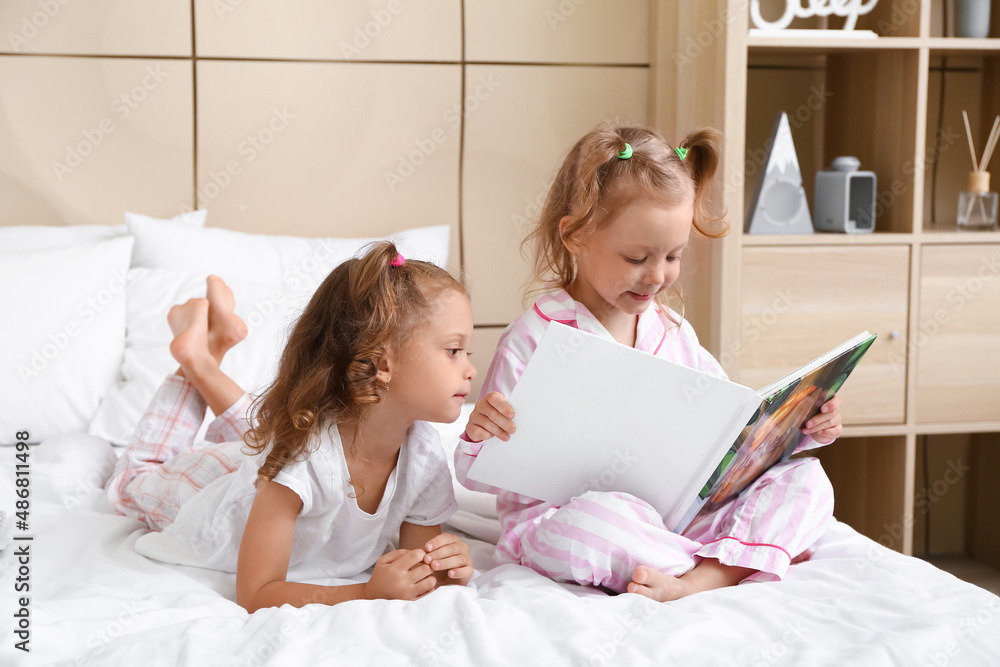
(774,432)
(595,415)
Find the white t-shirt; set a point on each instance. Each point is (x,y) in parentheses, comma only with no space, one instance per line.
(330,526)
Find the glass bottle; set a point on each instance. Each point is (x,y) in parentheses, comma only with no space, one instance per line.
(977,206)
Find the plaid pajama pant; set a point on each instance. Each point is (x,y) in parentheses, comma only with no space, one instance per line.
(163,466)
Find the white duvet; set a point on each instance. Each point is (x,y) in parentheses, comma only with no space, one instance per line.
(95,601)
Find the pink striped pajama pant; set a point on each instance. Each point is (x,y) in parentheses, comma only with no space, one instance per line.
(163,466)
(600,537)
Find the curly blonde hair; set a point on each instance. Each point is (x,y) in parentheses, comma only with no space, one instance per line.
(327,372)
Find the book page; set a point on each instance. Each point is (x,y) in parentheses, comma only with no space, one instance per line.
(593,414)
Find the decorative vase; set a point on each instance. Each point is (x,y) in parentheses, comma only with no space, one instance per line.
(972,18)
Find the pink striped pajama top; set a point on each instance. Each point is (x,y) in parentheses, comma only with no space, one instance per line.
(600,537)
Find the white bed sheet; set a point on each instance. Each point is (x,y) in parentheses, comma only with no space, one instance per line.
(95,601)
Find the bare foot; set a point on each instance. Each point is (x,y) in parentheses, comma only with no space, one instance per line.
(707,575)
(656,585)
(225,329)
(189,323)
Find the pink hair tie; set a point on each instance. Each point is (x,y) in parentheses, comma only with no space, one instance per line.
(399,260)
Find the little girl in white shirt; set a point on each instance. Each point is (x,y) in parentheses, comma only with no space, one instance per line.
(341,461)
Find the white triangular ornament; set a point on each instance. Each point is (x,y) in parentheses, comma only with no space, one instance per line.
(779,203)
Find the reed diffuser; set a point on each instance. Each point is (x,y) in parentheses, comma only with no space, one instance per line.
(977,206)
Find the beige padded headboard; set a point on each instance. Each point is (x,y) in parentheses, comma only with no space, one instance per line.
(314,118)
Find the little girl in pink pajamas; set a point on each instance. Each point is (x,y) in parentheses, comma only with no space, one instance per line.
(608,246)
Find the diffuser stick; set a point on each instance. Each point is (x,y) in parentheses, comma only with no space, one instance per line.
(984,162)
(968,135)
(990,145)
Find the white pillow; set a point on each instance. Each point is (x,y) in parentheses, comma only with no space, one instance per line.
(193,219)
(268,299)
(62,342)
(289,262)
(48,237)
(27,238)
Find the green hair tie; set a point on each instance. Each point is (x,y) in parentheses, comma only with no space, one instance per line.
(626,153)
(681,152)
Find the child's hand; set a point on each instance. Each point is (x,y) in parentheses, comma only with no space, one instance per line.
(492,416)
(826,426)
(400,575)
(448,556)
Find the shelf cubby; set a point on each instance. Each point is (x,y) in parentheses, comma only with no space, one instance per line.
(869,477)
(955,520)
(956,82)
(940,22)
(857,103)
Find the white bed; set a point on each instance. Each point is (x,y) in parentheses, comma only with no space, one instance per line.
(95,601)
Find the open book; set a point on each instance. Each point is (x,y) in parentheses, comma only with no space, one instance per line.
(595,415)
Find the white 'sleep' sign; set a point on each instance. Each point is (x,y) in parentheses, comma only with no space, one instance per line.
(850,9)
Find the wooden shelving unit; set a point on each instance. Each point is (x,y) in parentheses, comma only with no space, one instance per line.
(928,393)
